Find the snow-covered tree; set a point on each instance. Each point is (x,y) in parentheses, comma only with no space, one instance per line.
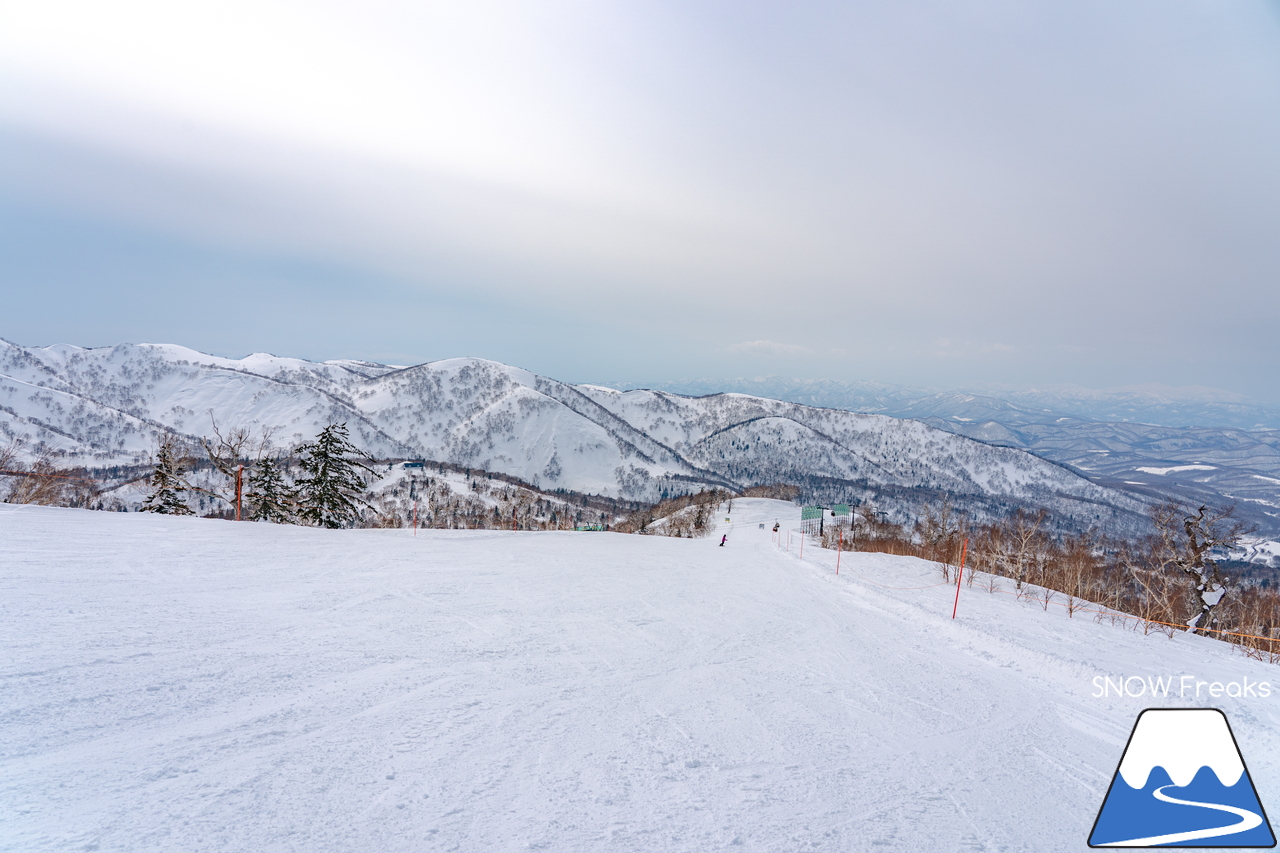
(329,491)
(269,497)
(167,485)
(1186,540)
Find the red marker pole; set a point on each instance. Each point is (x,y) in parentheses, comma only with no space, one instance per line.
(960,574)
(839,548)
(239,489)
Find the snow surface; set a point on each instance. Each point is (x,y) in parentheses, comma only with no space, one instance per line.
(183,684)
(1175,469)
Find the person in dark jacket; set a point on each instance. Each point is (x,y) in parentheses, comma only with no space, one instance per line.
(722,539)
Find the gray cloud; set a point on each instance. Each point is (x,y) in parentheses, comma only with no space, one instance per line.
(659,190)
(768,348)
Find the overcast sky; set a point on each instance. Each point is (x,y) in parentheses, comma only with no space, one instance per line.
(939,194)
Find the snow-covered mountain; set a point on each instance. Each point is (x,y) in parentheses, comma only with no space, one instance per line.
(107,405)
(1199,445)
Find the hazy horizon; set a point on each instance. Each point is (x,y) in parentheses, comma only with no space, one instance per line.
(1190,393)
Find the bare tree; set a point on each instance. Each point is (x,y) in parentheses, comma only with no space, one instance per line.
(81,490)
(940,529)
(43,482)
(1078,569)
(40,483)
(873,525)
(9,454)
(228,451)
(12,467)
(1186,540)
(1028,542)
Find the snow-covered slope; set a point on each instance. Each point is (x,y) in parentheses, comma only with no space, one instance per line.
(1202,465)
(107,404)
(1115,437)
(198,685)
(492,416)
(745,437)
(751,440)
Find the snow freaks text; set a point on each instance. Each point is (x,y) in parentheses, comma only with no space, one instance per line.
(1180,687)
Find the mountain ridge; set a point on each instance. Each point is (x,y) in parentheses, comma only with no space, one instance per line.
(112,402)
(1174,452)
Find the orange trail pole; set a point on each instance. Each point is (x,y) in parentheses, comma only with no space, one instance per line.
(960,574)
(239,481)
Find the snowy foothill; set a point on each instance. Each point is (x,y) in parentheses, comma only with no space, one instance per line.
(185,684)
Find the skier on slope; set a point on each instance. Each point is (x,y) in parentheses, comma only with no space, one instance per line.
(722,539)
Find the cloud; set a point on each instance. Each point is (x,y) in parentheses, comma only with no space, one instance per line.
(956,348)
(768,348)
(647,180)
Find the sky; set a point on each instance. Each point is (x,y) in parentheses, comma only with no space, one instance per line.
(938,194)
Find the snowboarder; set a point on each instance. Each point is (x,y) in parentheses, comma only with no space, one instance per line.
(722,539)
(775,527)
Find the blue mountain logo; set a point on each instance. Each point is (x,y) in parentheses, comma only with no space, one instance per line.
(1182,783)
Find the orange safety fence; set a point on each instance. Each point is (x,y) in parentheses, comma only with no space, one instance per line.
(1077,609)
(48,476)
(188,487)
(1121,614)
(886,586)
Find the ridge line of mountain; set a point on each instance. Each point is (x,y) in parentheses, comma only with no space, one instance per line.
(484,414)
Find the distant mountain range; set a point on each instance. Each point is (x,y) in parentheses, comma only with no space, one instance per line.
(1148,404)
(1196,444)
(108,405)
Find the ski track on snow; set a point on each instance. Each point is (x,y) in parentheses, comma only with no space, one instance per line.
(196,685)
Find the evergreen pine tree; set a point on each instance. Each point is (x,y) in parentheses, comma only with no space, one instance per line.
(166,481)
(331,483)
(269,496)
